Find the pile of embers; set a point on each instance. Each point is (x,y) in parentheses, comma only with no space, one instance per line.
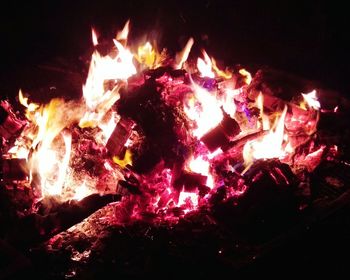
(164,150)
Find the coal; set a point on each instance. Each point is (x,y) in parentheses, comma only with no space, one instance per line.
(189,181)
(15,169)
(159,125)
(268,202)
(54,216)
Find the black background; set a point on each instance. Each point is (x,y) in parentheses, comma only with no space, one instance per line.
(307,38)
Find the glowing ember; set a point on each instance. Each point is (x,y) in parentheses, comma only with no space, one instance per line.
(186,197)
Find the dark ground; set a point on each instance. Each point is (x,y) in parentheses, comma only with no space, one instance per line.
(306,38)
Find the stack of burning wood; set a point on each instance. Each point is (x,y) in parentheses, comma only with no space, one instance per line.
(162,141)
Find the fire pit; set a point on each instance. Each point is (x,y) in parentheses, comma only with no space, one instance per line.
(166,161)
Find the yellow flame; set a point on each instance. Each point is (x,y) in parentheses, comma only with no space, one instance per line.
(149,56)
(247,76)
(31,107)
(127,160)
(224,74)
(182,56)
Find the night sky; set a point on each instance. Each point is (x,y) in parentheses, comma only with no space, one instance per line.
(306,38)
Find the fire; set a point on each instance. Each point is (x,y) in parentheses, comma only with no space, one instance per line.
(204,109)
(76,148)
(202,166)
(81,191)
(183,55)
(186,197)
(311,100)
(94,37)
(205,66)
(269,146)
(123,34)
(149,57)
(247,76)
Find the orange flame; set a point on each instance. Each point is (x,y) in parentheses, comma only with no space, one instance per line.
(247,76)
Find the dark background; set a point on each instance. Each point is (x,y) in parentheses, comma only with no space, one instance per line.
(306,38)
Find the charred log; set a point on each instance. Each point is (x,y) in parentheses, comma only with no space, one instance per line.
(15,169)
(220,136)
(159,124)
(269,198)
(54,216)
(120,135)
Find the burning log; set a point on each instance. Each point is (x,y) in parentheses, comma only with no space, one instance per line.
(160,126)
(189,181)
(271,191)
(10,125)
(54,216)
(120,135)
(220,135)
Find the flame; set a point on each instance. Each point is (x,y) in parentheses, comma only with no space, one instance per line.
(311,100)
(98,97)
(81,191)
(123,35)
(127,160)
(224,74)
(94,37)
(202,166)
(264,118)
(204,109)
(183,55)
(187,196)
(269,146)
(148,56)
(31,107)
(51,169)
(50,147)
(247,76)
(205,66)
